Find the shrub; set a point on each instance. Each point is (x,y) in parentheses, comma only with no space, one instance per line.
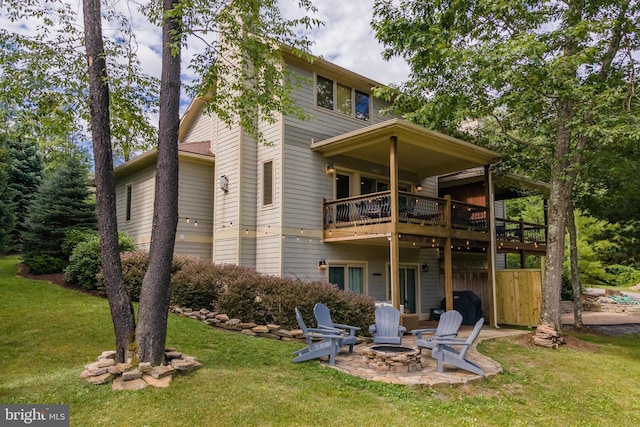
(86,259)
(197,285)
(622,275)
(44,264)
(74,237)
(134,267)
(270,299)
(242,293)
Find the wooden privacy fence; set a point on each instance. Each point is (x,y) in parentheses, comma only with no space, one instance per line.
(519,297)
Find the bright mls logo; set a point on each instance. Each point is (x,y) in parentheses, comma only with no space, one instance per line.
(36,415)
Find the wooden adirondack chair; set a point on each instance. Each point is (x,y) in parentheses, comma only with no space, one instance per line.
(387,329)
(321,342)
(323,317)
(444,351)
(448,327)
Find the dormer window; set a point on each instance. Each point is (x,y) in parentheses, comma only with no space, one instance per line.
(341,98)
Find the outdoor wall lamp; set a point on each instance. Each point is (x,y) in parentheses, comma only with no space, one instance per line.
(224,183)
(322,264)
(418,187)
(330,168)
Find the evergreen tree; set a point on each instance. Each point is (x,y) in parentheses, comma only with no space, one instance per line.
(6,212)
(24,177)
(62,204)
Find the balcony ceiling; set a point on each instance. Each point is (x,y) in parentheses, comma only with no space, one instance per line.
(420,150)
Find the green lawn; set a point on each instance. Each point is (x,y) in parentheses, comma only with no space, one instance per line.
(49,333)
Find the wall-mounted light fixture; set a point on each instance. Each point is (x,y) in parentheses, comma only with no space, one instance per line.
(418,187)
(322,264)
(224,183)
(330,168)
(425,268)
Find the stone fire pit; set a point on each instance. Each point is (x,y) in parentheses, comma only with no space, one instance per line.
(394,358)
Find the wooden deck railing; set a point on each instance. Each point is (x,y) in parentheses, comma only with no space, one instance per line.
(375,208)
(508,230)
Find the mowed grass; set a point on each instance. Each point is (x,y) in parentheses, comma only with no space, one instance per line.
(49,333)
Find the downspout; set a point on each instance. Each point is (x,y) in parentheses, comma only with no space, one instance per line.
(493,244)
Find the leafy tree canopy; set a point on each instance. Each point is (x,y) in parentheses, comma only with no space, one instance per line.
(509,63)
(44,79)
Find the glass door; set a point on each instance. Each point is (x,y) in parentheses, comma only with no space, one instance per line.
(408,288)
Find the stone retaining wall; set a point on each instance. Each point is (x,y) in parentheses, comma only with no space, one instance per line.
(222,321)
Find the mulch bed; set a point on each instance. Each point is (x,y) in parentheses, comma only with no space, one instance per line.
(56,279)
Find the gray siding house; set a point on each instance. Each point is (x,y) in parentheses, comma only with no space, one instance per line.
(373,204)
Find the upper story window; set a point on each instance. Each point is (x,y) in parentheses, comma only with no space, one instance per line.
(267,183)
(127,209)
(338,97)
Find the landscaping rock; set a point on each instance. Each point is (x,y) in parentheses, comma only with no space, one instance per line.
(172,355)
(145,367)
(121,384)
(161,371)
(102,363)
(157,382)
(100,379)
(131,375)
(185,364)
(119,368)
(111,354)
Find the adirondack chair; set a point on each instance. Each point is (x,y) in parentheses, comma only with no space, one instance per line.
(444,351)
(321,342)
(387,329)
(448,327)
(323,317)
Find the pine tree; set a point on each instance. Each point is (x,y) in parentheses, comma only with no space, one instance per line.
(6,212)
(25,173)
(62,204)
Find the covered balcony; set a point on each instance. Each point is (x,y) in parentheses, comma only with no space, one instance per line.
(426,221)
(402,215)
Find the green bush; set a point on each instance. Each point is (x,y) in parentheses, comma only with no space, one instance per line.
(86,259)
(134,267)
(262,299)
(74,237)
(622,275)
(242,293)
(44,264)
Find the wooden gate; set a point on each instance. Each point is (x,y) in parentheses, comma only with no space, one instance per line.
(519,297)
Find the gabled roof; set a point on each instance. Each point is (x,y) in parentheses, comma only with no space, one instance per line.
(420,150)
(316,64)
(199,151)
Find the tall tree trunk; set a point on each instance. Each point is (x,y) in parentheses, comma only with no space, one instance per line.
(155,293)
(549,331)
(575,269)
(119,301)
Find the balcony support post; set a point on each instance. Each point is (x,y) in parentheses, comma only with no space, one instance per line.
(394,250)
(491,250)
